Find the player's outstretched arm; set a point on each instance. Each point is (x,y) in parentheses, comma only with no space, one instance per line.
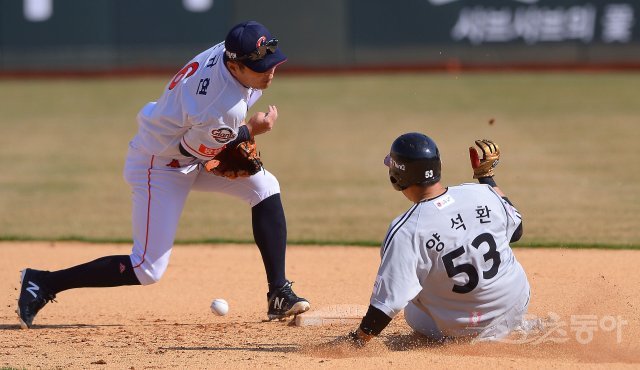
(372,325)
(483,170)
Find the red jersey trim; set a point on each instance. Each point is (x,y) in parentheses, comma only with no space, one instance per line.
(146,238)
(202,151)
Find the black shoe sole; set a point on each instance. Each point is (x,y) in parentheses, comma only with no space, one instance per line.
(296,309)
(23,324)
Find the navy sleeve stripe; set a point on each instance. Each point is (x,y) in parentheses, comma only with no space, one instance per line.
(391,230)
(397,226)
(506,212)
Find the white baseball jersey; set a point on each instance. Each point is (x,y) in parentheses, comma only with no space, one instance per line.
(451,257)
(201,108)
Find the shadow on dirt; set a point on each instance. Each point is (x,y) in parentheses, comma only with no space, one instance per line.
(404,342)
(259,348)
(61,326)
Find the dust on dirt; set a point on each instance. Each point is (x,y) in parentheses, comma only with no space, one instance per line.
(169,325)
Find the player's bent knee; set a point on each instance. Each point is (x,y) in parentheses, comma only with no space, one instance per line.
(150,273)
(265,185)
(148,277)
(421,322)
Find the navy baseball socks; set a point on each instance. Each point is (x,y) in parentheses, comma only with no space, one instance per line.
(270,234)
(37,288)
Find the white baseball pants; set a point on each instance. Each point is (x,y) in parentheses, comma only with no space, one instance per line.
(159,187)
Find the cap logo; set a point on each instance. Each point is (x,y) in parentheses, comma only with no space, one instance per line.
(261,41)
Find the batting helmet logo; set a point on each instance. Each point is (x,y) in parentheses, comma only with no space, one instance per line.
(397,165)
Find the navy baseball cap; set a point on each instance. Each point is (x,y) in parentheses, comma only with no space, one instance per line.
(251,43)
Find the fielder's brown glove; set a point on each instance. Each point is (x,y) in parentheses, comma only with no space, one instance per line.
(241,161)
(483,167)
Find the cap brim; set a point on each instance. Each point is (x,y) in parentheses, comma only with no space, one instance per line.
(387,160)
(270,61)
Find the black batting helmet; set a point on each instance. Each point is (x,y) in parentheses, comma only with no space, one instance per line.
(414,159)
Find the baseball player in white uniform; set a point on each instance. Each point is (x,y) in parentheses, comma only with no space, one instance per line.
(201,112)
(447,260)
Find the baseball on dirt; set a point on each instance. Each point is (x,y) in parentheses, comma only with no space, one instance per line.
(219,306)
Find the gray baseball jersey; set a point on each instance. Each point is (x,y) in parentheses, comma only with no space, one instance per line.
(451,256)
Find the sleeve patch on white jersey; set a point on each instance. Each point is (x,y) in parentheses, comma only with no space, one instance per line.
(444,201)
(223,135)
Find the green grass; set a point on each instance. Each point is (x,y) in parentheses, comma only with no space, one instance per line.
(569,146)
(357,243)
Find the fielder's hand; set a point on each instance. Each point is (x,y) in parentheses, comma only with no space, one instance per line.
(262,122)
(483,167)
(358,338)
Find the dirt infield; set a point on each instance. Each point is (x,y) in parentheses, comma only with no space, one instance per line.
(169,325)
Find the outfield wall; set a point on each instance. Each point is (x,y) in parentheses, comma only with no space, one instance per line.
(150,35)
